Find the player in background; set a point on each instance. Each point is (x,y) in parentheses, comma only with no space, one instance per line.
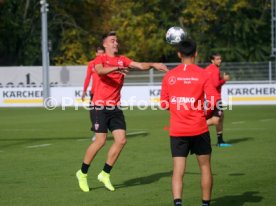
(217,116)
(107,114)
(182,93)
(91,75)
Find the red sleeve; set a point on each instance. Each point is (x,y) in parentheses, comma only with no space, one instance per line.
(88,75)
(164,96)
(98,60)
(215,76)
(127,61)
(221,82)
(211,95)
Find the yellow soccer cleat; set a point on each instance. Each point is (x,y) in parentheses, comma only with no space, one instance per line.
(105,179)
(82,178)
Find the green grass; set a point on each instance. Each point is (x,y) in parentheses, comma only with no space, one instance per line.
(243,174)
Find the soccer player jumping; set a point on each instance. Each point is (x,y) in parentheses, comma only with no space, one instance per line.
(182,93)
(107,114)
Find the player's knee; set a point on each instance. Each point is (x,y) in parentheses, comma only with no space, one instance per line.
(122,141)
(216,121)
(101,141)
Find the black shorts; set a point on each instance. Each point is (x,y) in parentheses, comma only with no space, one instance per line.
(217,112)
(106,118)
(200,145)
(90,110)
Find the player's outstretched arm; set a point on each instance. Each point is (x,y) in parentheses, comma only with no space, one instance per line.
(148,65)
(106,70)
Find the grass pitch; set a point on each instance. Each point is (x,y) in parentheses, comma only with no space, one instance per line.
(41,150)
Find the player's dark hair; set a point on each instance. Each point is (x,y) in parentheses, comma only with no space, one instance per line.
(213,55)
(187,47)
(98,48)
(111,33)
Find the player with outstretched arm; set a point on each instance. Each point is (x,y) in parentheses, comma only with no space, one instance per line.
(107,114)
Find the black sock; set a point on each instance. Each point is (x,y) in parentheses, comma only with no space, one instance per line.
(206,202)
(84,168)
(177,202)
(107,168)
(220,138)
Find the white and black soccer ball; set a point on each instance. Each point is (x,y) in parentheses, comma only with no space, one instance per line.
(175,35)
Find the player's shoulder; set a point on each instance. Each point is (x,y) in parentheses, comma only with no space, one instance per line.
(122,57)
(91,62)
(211,67)
(174,70)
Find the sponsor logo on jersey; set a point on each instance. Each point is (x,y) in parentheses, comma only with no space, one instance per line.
(120,63)
(175,100)
(172,80)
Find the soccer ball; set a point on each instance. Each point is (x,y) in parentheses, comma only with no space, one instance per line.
(175,35)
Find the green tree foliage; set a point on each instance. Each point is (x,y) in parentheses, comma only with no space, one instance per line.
(19,32)
(76,28)
(142,26)
(239,29)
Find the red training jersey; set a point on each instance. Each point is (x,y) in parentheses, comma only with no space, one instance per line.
(182,92)
(216,79)
(90,73)
(109,86)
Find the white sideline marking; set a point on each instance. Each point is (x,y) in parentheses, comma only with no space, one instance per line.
(266,120)
(16,130)
(240,122)
(134,133)
(39,145)
(127,134)
(81,140)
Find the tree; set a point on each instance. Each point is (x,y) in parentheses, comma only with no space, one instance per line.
(236,29)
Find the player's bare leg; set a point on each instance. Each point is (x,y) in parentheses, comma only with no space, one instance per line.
(179,164)
(219,126)
(204,162)
(88,157)
(219,129)
(112,156)
(213,121)
(94,147)
(117,146)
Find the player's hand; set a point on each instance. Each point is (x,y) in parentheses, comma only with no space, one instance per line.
(83,96)
(160,67)
(122,70)
(226,76)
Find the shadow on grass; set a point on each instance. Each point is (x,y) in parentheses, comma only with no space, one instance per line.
(22,141)
(145,180)
(238,140)
(236,174)
(238,200)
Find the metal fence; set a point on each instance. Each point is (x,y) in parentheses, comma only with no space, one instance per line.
(240,72)
(66,76)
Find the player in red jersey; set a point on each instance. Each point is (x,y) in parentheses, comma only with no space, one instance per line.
(107,114)
(91,75)
(182,93)
(217,116)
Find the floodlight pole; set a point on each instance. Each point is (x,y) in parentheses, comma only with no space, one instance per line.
(45,50)
(273,32)
(273,27)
